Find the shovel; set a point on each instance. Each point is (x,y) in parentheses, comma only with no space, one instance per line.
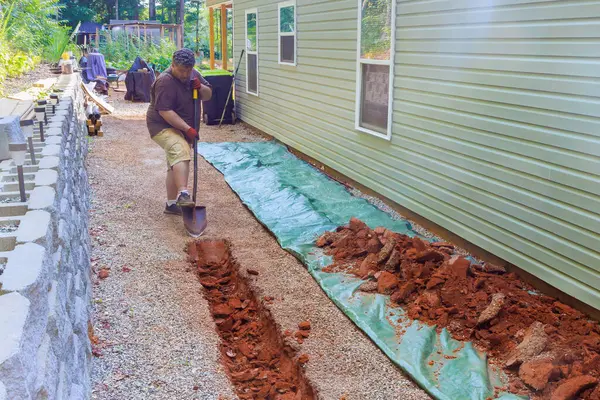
(194,218)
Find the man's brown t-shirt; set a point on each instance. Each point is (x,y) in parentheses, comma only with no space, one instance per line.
(169,93)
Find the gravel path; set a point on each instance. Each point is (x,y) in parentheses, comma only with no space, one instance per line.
(157,339)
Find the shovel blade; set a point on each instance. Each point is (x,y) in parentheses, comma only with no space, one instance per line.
(194,220)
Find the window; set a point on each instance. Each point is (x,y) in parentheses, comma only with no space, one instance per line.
(252,52)
(287,33)
(375,67)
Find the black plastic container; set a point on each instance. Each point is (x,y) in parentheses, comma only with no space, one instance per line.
(213,108)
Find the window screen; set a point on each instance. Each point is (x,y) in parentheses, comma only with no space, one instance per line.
(375,96)
(252,73)
(287,49)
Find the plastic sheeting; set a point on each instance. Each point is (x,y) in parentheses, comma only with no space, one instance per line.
(139,83)
(297,203)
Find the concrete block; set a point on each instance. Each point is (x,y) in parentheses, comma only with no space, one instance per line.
(46,177)
(34,227)
(65,334)
(51,150)
(80,316)
(58,119)
(53,129)
(79,285)
(50,162)
(52,298)
(63,232)
(42,198)
(23,268)
(69,287)
(53,140)
(47,372)
(6,165)
(9,126)
(77,393)
(15,309)
(62,390)
(52,359)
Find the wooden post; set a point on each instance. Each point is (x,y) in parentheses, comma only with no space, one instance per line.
(146,33)
(212,37)
(162,32)
(180,36)
(97,38)
(138,30)
(224,36)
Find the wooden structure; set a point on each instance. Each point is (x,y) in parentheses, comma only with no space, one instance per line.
(87,33)
(148,29)
(223,7)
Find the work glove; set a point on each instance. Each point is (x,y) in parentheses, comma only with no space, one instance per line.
(196,84)
(191,134)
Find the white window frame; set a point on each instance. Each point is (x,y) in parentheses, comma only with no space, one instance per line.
(390,63)
(248,52)
(280,34)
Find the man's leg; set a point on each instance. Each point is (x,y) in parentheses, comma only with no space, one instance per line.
(178,157)
(180,173)
(171,207)
(171,188)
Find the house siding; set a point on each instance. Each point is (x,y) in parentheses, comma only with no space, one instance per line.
(496,120)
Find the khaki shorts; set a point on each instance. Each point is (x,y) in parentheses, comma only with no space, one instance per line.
(173,143)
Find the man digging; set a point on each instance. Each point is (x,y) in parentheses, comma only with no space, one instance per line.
(170,121)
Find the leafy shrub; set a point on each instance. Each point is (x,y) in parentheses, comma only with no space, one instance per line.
(120,50)
(29,32)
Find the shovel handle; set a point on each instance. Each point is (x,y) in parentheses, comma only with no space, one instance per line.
(195,144)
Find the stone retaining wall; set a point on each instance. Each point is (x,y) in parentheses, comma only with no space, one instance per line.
(45,296)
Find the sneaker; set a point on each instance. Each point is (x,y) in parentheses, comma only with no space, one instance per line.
(173,209)
(184,200)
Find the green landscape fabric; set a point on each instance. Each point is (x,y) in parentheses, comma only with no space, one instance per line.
(297,203)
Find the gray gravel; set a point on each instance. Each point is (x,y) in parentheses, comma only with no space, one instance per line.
(157,338)
(7,200)
(8,228)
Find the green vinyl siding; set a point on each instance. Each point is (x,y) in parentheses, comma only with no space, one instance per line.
(496,120)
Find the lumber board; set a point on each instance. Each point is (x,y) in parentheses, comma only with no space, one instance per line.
(105,108)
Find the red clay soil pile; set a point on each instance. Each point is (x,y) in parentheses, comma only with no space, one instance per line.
(549,350)
(258,362)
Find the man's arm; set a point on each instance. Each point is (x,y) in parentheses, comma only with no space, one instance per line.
(205,90)
(174,120)
(205,93)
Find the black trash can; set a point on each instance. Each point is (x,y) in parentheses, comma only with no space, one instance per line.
(213,109)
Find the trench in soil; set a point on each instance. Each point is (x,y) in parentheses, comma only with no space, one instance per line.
(258,362)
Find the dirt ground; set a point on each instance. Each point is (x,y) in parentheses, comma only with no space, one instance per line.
(15,85)
(156,336)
